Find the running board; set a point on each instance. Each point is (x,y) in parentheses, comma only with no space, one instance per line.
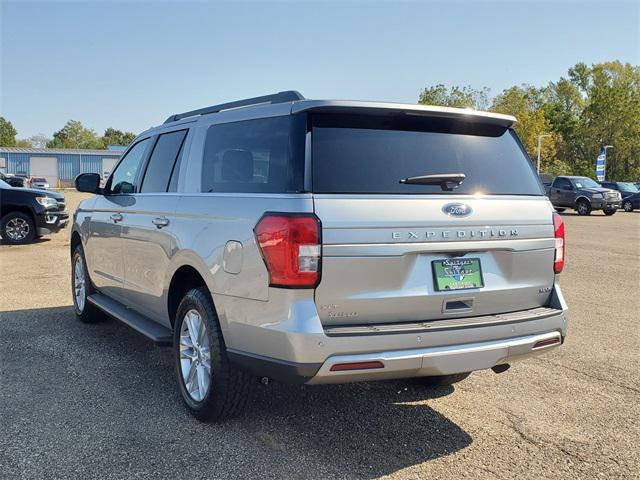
(150,329)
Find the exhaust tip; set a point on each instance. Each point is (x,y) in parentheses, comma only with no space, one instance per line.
(501,368)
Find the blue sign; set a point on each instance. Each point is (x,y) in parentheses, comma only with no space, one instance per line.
(601,162)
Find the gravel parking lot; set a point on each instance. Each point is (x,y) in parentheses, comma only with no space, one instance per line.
(96,401)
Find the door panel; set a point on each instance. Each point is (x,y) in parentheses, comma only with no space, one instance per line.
(104,248)
(147,251)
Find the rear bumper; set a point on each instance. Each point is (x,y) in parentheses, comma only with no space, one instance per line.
(300,350)
(445,360)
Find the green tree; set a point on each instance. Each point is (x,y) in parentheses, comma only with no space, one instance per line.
(465,97)
(75,135)
(24,143)
(7,133)
(117,137)
(526,103)
(611,116)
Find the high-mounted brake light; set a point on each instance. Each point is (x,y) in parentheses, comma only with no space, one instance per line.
(558,227)
(290,246)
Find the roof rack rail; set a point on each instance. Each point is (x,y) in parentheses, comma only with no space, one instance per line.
(280,97)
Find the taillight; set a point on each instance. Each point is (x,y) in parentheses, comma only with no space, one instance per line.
(558,227)
(290,246)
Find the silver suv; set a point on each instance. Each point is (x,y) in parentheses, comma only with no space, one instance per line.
(317,241)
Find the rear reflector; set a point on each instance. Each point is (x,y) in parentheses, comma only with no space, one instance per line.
(546,343)
(558,228)
(340,367)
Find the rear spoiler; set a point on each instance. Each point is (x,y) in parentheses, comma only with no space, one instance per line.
(383,108)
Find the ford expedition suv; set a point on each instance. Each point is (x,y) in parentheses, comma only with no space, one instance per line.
(321,242)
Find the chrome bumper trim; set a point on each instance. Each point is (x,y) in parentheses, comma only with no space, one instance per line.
(435,360)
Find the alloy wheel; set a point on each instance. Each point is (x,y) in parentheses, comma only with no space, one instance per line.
(79,289)
(628,207)
(583,208)
(195,356)
(17,229)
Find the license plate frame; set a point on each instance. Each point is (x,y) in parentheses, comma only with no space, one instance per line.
(445,273)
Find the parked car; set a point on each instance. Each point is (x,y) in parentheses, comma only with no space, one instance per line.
(629,192)
(323,242)
(13,180)
(583,195)
(26,214)
(39,182)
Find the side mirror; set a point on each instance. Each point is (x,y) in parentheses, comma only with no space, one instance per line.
(88,182)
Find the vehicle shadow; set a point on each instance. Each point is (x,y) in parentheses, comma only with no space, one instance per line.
(362,430)
(35,240)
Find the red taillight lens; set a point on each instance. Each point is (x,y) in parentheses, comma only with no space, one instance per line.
(558,226)
(290,246)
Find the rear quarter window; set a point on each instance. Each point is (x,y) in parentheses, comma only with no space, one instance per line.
(264,155)
(354,154)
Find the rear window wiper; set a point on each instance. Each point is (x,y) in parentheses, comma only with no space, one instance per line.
(447,181)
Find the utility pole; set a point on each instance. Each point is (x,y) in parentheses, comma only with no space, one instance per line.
(539,145)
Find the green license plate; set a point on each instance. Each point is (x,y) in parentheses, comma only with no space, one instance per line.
(457,274)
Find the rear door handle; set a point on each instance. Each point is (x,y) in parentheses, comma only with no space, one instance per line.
(160,222)
(116,217)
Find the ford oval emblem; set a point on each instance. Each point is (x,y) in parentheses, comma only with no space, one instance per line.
(457,209)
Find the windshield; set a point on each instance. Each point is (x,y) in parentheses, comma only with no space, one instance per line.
(585,182)
(627,187)
(406,155)
(4,184)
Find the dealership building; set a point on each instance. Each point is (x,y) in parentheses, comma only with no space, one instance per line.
(59,166)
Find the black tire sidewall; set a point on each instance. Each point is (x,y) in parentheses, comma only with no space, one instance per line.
(89,314)
(213,406)
(32,228)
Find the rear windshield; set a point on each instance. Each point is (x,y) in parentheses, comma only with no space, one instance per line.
(364,154)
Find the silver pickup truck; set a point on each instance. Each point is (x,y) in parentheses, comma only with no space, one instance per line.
(317,241)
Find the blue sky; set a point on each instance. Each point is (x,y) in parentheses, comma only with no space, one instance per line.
(131,64)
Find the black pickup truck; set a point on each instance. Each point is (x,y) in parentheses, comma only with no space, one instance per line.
(26,214)
(583,195)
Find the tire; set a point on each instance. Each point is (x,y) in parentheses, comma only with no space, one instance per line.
(17,228)
(198,353)
(627,206)
(442,380)
(560,210)
(583,207)
(85,311)
(608,213)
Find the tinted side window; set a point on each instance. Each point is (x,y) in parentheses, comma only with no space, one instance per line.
(561,183)
(253,156)
(123,177)
(162,161)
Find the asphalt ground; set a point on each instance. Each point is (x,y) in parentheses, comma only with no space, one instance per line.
(100,401)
